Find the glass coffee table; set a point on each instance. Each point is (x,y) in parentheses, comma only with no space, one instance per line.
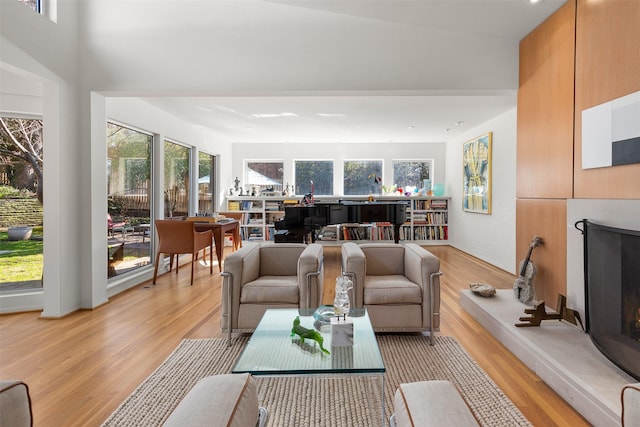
(272,351)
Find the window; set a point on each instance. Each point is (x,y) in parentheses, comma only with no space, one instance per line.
(176,179)
(206,183)
(128,223)
(21,197)
(412,173)
(266,175)
(362,177)
(313,176)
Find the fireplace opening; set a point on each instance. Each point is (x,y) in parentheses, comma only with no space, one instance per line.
(612,292)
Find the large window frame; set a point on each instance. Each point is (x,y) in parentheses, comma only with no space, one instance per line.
(362,177)
(317,180)
(207,182)
(260,175)
(177,172)
(412,173)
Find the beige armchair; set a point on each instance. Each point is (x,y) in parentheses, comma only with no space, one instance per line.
(269,275)
(399,285)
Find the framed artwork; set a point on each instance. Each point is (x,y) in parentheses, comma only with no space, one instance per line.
(476,170)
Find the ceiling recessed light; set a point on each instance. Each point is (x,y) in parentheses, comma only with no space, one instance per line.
(273,115)
(330,114)
(410,127)
(458,123)
(448,130)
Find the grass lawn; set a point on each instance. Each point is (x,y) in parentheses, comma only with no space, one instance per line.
(24,262)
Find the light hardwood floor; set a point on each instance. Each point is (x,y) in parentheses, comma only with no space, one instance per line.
(81,367)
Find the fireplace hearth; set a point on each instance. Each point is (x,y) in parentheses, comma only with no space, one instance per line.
(612,292)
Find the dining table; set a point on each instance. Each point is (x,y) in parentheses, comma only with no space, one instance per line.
(219,229)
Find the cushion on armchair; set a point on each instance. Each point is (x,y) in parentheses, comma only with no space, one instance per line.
(394,289)
(219,400)
(431,403)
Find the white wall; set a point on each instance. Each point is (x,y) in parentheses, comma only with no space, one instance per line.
(53,67)
(288,152)
(488,237)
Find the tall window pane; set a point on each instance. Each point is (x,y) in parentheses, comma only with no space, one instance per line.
(314,176)
(128,199)
(21,209)
(362,177)
(206,183)
(265,175)
(412,173)
(176,179)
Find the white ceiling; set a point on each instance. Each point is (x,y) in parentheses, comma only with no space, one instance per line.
(365,70)
(313,71)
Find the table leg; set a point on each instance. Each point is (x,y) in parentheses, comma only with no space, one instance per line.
(218,237)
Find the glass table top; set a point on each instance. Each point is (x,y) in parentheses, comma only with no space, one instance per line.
(272,350)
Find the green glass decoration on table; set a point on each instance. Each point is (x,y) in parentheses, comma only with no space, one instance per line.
(305,333)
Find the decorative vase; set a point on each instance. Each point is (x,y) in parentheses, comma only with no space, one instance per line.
(438,190)
(341,303)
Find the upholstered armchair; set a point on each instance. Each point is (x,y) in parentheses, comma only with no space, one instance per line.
(399,285)
(269,275)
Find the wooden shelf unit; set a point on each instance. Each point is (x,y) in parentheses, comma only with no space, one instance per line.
(427,219)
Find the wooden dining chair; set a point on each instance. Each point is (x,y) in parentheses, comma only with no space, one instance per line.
(181,237)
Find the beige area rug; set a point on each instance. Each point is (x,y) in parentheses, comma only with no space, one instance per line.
(313,401)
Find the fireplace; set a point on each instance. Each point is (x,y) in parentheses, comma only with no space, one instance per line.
(612,292)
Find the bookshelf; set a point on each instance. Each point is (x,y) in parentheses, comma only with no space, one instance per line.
(427,220)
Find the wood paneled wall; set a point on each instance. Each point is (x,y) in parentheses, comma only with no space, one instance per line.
(607,67)
(545,108)
(585,54)
(544,170)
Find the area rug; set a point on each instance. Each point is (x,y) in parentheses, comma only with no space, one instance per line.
(312,401)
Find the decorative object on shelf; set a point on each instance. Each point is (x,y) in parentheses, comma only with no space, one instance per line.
(438,190)
(482,289)
(426,188)
(341,303)
(539,313)
(236,190)
(305,333)
(389,190)
(288,190)
(476,163)
(523,287)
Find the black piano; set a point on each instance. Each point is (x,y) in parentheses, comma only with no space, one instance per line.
(300,223)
